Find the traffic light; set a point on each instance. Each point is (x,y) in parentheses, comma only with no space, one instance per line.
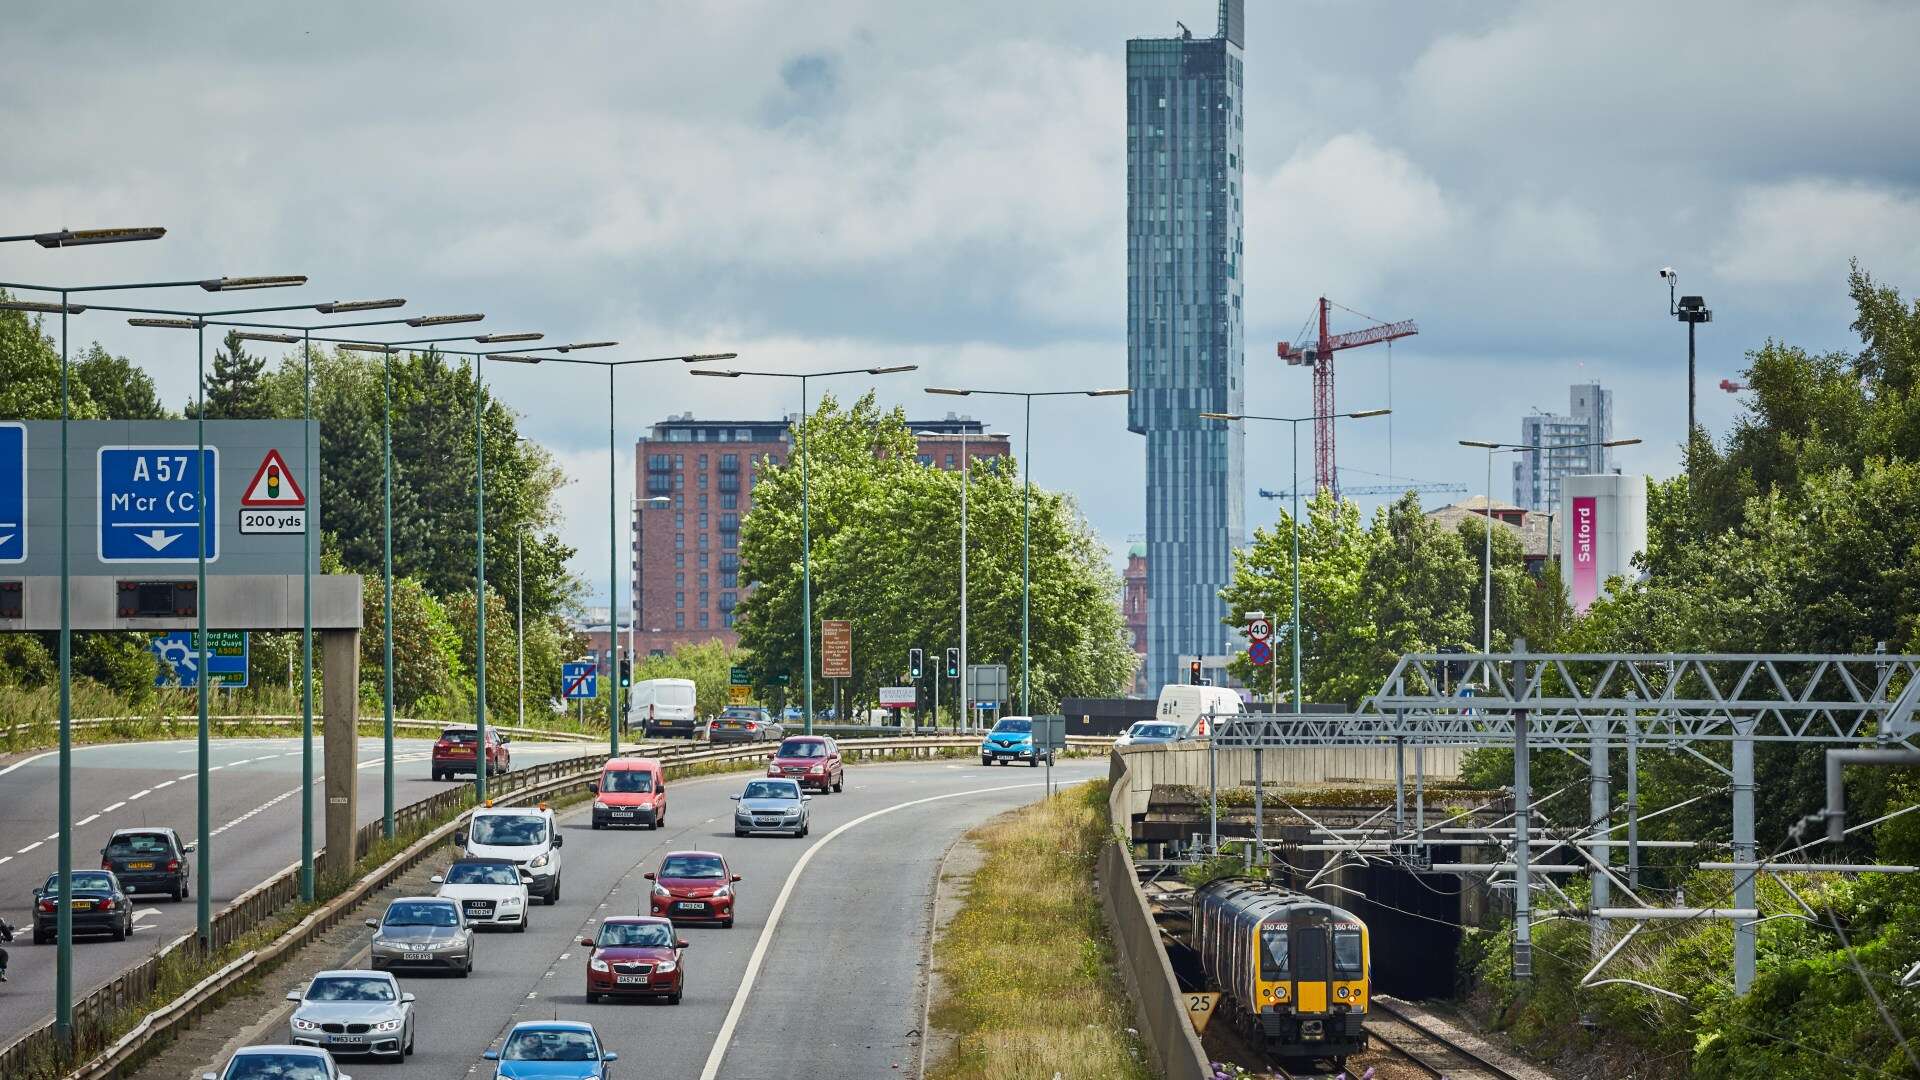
(1193,673)
(953,663)
(916,663)
(626,672)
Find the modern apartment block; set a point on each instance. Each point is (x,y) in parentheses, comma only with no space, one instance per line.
(1589,419)
(686,557)
(1185,328)
(1133,606)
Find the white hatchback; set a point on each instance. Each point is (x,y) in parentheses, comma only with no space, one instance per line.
(491,892)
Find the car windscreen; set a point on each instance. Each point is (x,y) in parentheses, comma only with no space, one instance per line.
(626,780)
(482,874)
(1015,726)
(421,914)
(742,714)
(277,1067)
(635,936)
(693,866)
(510,830)
(549,1046)
(81,880)
(1159,731)
(767,789)
(132,845)
(459,736)
(802,748)
(350,988)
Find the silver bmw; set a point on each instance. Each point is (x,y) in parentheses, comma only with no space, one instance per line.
(772,806)
(423,932)
(353,1012)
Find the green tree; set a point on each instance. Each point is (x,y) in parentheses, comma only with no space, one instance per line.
(30,372)
(120,662)
(236,390)
(503,677)
(118,389)
(429,672)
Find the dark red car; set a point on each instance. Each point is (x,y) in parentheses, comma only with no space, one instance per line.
(693,886)
(635,956)
(456,752)
(813,760)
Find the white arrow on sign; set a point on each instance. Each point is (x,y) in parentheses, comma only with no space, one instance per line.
(4,537)
(158,540)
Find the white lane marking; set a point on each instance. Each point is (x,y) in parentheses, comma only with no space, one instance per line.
(6,858)
(215,768)
(564,955)
(141,794)
(27,761)
(144,912)
(265,806)
(182,776)
(242,761)
(168,783)
(29,847)
(50,837)
(88,820)
(115,806)
(720,1041)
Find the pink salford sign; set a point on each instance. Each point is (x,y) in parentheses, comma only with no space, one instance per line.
(1586,571)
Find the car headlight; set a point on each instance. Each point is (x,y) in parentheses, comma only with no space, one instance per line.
(387,1025)
(542,859)
(795,812)
(511,901)
(598,805)
(741,811)
(439,945)
(597,964)
(665,967)
(723,892)
(661,890)
(818,769)
(303,1024)
(382,943)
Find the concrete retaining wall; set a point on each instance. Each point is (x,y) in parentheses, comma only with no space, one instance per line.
(1157,1000)
(1137,769)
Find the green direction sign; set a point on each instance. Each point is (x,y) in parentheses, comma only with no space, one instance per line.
(781,680)
(740,677)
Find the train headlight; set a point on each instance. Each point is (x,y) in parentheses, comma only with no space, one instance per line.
(1342,992)
(1281,993)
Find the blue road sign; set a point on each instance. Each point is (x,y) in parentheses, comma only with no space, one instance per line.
(227,655)
(13,493)
(148,509)
(1259,653)
(581,680)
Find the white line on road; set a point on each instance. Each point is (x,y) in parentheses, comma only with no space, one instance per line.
(6,858)
(27,761)
(182,776)
(168,783)
(88,820)
(141,794)
(29,847)
(115,806)
(144,912)
(720,1041)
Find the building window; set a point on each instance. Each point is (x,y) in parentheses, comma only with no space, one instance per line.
(703,615)
(728,463)
(703,465)
(679,462)
(678,579)
(703,522)
(679,541)
(679,598)
(726,617)
(729,522)
(949,465)
(925,459)
(729,562)
(657,483)
(729,481)
(679,559)
(703,503)
(728,601)
(679,617)
(679,484)
(727,540)
(679,522)
(703,542)
(655,463)
(706,600)
(703,560)
(703,487)
(729,579)
(703,579)
(728,501)
(679,502)
(741,435)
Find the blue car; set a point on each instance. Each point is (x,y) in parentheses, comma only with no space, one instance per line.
(552,1050)
(1012,740)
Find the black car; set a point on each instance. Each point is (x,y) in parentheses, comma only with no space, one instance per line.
(99,907)
(148,861)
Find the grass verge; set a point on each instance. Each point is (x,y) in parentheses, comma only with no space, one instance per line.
(1027,967)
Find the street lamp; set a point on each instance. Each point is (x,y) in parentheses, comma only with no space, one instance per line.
(1693,311)
(806,540)
(65,238)
(966,482)
(1026,500)
(1492,448)
(1293,423)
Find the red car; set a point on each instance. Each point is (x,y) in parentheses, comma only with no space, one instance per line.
(635,956)
(454,753)
(693,886)
(813,760)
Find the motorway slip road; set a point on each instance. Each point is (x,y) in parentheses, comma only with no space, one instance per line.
(255,804)
(821,974)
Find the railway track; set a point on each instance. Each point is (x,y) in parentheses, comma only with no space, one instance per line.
(1439,1056)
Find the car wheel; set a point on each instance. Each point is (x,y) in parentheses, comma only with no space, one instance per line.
(674,998)
(40,938)
(179,893)
(840,784)
(986,761)
(554,897)
(1033,763)
(408,1052)
(726,923)
(186,888)
(524,920)
(593,998)
(597,823)
(739,832)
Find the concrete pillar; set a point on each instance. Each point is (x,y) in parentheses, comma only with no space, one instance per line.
(340,704)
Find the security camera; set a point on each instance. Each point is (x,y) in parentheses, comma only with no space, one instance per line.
(1668,272)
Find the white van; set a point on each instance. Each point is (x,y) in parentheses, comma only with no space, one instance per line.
(1189,705)
(527,836)
(664,706)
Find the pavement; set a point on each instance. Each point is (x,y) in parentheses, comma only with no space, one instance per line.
(822,974)
(255,817)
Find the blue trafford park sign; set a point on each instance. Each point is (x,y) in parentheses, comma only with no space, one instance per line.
(227,654)
(149,511)
(13,493)
(580,680)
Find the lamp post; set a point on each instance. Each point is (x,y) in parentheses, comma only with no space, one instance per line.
(65,238)
(1693,311)
(1026,519)
(806,540)
(1293,423)
(1486,587)
(965,698)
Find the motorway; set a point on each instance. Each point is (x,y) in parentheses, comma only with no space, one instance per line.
(255,806)
(820,975)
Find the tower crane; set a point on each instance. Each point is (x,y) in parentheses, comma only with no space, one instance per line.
(1318,355)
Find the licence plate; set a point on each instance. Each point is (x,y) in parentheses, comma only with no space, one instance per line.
(82,905)
(623,813)
(630,980)
(686,906)
(346,1038)
(139,866)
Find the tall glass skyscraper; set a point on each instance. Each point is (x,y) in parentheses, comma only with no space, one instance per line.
(1185,330)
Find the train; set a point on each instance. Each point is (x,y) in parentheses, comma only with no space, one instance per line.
(1294,972)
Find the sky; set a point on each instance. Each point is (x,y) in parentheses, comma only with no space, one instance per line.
(853,182)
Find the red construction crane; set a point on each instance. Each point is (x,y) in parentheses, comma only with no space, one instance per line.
(1319,355)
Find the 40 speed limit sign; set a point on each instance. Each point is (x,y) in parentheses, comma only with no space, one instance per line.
(1259,629)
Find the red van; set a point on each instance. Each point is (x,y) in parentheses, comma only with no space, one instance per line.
(630,791)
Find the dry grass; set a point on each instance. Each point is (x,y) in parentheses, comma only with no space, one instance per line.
(1029,987)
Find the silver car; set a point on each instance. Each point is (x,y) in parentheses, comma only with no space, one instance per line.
(423,933)
(353,1012)
(772,806)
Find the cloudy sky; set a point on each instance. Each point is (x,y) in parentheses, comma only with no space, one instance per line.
(847,182)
